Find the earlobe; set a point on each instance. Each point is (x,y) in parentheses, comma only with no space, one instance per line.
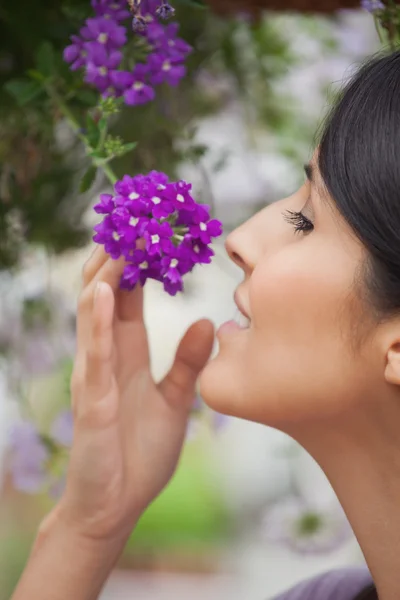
(392,371)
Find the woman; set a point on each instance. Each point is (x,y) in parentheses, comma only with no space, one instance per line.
(318,358)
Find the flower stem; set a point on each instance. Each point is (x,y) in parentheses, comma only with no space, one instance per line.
(75,126)
(109,173)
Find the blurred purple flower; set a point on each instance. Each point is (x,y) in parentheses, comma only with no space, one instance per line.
(62,428)
(76,53)
(372,5)
(219,420)
(137,90)
(105,32)
(100,67)
(28,458)
(116,9)
(306,528)
(164,69)
(165,10)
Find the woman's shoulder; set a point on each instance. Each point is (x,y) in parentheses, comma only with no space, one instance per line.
(339,584)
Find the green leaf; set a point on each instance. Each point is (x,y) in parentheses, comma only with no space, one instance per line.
(45,59)
(23,90)
(88,179)
(93,131)
(36,75)
(129,147)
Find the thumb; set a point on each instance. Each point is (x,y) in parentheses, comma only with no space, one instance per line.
(193,352)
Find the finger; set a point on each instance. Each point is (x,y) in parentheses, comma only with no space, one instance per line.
(93,264)
(129,305)
(99,366)
(193,352)
(110,273)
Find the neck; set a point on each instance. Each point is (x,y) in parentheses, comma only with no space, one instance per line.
(361,459)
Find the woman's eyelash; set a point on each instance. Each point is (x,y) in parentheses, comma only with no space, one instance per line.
(298,220)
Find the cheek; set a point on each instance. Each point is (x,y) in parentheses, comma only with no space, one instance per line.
(296,292)
(293,364)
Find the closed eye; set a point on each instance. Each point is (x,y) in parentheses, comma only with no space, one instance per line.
(299,221)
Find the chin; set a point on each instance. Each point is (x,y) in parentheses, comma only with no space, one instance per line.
(219,390)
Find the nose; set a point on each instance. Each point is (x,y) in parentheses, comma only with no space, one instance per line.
(238,251)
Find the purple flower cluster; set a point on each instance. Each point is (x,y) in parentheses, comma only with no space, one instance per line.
(98,49)
(28,458)
(173,231)
(372,5)
(31,458)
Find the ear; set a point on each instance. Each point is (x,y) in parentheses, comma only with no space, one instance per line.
(392,370)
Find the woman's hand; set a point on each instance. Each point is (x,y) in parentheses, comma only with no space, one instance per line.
(128,431)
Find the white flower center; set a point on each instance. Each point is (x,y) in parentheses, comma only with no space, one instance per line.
(196,249)
(171,43)
(156,200)
(116,236)
(180,198)
(103,38)
(144,265)
(166,66)
(161,186)
(133,196)
(155,239)
(133,221)
(138,85)
(174,263)
(103,71)
(203,227)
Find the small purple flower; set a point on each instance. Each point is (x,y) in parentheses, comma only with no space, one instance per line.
(164,69)
(165,10)
(205,231)
(114,9)
(137,90)
(174,267)
(158,238)
(372,5)
(107,235)
(76,53)
(164,39)
(105,32)
(106,204)
(62,428)
(143,267)
(200,253)
(100,67)
(28,458)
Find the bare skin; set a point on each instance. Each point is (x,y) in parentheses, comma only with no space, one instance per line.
(312,363)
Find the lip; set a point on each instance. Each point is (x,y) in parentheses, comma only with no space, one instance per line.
(240,305)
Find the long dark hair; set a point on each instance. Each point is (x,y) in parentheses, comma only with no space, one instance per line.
(359,160)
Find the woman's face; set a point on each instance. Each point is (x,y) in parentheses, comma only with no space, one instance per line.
(295,362)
